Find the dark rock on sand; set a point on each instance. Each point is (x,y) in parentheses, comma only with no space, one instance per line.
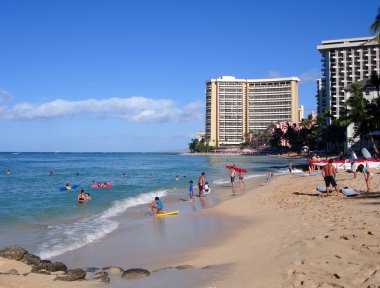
(183,267)
(72,275)
(10,272)
(51,267)
(135,273)
(103,279)
(13,272)
(31,259)
(13,253)
(102,276)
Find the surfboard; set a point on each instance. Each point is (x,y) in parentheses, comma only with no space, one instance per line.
(72,188)
(167,213)
(349,192)
(366,154)
(321,188)
(237,169)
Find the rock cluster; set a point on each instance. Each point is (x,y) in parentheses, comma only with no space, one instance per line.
(46,267)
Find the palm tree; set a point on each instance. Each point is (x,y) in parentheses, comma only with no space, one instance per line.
(375,27)
(357,107)
(361,113)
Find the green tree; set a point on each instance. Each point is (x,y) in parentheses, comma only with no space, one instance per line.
(275,141)
(363,114)
(357,110)
(375,27)
(200,146)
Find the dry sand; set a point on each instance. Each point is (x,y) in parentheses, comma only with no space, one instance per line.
(294,237)
(285,234)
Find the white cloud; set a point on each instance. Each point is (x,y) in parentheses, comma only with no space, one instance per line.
(274,74)
(134,109)
(310,75)
(5,95)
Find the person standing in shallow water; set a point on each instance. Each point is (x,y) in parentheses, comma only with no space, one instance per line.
(201,183)
(290,166)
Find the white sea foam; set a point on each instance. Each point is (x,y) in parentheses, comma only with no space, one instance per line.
(67,237)
(286,171)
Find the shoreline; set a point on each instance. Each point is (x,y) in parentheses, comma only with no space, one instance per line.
(290,235)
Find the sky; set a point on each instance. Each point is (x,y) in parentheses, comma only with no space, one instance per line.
(129,76)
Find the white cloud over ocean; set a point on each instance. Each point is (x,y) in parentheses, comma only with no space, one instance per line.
(133,109)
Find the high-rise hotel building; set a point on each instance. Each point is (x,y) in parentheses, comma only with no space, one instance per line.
(235,107)
(344,61)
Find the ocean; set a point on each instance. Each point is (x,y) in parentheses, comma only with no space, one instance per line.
(37,215)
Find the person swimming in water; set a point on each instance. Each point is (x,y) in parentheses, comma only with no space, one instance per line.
(88,197)
(68,187)
(81,197)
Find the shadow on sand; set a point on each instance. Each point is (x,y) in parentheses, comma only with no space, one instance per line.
(307,194)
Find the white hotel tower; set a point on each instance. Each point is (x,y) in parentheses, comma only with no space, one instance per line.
(344,61)
(235,107)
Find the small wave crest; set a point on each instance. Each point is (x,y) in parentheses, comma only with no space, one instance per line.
(286,171)
(68,237)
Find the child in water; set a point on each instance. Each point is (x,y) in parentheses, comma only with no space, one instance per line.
(191,190)
(207,188)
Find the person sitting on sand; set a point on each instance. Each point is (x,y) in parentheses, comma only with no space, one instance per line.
(156,206)
(68,187)
(367,175)
(329,173)
(82,197)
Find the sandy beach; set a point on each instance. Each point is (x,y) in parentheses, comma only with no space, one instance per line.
(285,234)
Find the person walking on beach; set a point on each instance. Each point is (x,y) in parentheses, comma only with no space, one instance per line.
(353,159)
(156,206)
(201,183)
(241,177)
(191,190)
(328,173)
(367,175)
(233,175)
(290,166)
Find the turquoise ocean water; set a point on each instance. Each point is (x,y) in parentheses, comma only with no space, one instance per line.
(36,215)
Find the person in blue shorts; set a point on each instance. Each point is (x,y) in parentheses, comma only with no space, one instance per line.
(156,206)
(191,190)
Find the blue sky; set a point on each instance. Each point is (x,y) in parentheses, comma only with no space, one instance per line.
(120,76)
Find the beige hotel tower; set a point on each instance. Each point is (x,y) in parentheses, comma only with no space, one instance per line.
(235,107)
